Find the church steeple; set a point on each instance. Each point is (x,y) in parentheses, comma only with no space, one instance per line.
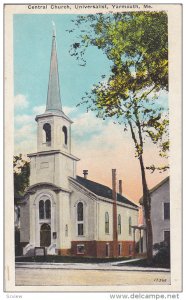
(54,127)
(53,97)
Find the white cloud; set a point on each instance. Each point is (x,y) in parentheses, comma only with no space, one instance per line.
(41,109)
(68,110)
(26,146)
(107,146)
(37,110)
(22,119)
(100,145)
(23,132)
(87,123)
(20,101)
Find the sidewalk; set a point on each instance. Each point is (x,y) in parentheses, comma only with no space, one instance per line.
(110,266)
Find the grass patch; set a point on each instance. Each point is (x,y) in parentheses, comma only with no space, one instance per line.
(67,259)
(144,263)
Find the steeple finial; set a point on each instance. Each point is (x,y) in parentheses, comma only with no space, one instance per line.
(53,97)
(54,29)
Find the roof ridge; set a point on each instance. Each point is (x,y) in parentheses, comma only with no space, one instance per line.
(159,184)
(120,198)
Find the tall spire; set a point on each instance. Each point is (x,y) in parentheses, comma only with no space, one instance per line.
(53,97)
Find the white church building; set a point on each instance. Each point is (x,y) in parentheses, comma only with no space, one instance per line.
(65,213)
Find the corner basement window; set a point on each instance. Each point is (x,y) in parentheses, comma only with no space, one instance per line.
(81,249)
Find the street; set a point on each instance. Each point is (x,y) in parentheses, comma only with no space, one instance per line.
(75,277)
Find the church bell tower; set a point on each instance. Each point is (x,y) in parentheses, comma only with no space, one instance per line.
(50,169)
(54,127)
(53,161)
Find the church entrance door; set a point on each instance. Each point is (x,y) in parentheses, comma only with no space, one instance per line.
(45,235)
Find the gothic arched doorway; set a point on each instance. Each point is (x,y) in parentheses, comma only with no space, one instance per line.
(45,235)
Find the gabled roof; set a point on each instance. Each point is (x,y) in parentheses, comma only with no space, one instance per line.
(156,187)
(159,184)
(102,190)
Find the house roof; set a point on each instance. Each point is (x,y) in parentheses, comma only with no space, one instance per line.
(157,186)
(102,190)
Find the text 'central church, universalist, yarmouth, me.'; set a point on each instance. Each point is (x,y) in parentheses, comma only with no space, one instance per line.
(68,214)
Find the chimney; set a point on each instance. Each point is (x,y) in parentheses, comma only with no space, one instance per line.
(114,196)
(85,173)
(120,187)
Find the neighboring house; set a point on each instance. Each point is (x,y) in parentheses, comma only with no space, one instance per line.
(160,212)
(65,213)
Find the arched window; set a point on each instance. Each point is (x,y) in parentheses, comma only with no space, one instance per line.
(44,209)
(80,219)
(130,224)
(47,130)
(47,209)
(65,134)
(106,222)
(119,224)
(41,209)
(80,211)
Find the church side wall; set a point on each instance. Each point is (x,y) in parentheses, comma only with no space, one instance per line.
(24,223)
(89,216)
(103,208)
(64,224)
(95,242)
(125,213)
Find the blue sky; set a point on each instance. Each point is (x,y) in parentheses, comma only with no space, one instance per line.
(32,48)
(99,144)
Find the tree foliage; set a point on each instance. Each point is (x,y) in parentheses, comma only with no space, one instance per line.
(21,167)
(136,43)
(137,46)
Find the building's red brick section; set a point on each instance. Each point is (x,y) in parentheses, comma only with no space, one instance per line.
(98,248)
(64,252)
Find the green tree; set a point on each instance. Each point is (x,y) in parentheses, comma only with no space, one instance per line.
(21,169)
(137,46)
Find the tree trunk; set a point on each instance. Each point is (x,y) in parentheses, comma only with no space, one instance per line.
(146,194)
(147,211)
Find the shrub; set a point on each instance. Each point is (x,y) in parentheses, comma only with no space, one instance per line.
(162,257)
